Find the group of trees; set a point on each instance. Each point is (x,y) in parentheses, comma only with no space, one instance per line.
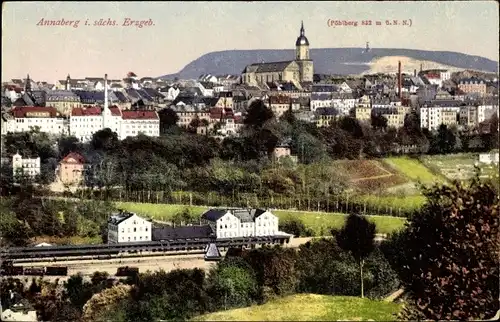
(25,218)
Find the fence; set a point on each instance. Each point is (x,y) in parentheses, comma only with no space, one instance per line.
(341,204)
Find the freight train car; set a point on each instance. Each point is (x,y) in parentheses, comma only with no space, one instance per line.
(127,271)
(34,271)
(56,270)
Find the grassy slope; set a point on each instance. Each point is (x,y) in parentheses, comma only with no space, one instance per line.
(414,170)
(315,220)
(310,307)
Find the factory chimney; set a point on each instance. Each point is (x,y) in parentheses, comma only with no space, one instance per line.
(105,91)
(399,79)
(414,73)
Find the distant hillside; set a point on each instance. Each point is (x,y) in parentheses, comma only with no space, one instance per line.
(343,61)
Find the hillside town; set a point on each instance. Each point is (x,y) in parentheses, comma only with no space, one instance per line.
(215,105)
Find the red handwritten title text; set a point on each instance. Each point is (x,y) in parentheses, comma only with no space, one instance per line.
(103,22)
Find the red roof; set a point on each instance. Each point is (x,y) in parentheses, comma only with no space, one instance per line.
(139,115)
(73,155)
(433,76)
(115,111)
(280,99)
(89,111)
(23,111)
(216,113)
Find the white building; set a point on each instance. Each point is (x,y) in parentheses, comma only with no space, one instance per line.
(343,102)
(47,119)
(84,122)
(170,92)
(320,100)
(432,117)
(489,158)
(134,123)
(25,166)
(484,112)
(127,227)
(230,223)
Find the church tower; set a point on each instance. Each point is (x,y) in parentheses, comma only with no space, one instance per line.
(68,83)
(302,57)
(27,85)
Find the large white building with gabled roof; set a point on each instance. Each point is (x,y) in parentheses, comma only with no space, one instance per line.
(237,222)
(126,227)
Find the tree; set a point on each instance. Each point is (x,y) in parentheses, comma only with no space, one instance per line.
(378,121)
(258,114)
(105,140)
(444,141)
(452,248)
(168,118)
(357,237)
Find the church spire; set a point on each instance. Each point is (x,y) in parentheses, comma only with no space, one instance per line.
(27,85)
(302,31)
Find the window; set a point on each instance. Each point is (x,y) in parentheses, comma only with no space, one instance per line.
(129,230)
(123,230)
(129,239)
(135,229)
(225,226)
(135,238)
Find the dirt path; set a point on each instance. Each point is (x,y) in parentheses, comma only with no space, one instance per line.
(387,174)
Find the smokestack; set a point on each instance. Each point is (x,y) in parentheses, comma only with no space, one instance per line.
(414,73)
(421,67)
(399,79)
(105,91)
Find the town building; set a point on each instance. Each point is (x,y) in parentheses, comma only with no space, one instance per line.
(29,167)
(432,117)
(280,104)
(46,119)
(297,71)
(472,85)
(234,222)
(84,122)
(71,169)
(63,101)
(126,227)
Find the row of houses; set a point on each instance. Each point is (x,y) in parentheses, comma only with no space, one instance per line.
(124,227)
(83,122)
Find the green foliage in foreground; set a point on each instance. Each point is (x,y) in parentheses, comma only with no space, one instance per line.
(319,222)
(310,307)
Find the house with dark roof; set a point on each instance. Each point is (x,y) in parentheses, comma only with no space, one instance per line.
(240,222)
(125,227)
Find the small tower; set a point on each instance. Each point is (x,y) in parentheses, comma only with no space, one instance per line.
(27,85)
(68,83)
(367,47)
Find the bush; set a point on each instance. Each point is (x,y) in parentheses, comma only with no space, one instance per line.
(296,227)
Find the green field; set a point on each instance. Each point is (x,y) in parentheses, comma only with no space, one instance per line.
(414,170)
(311,307)
(395,202)
(319,222)
(458,166)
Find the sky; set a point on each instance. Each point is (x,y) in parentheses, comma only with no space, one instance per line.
(180,32)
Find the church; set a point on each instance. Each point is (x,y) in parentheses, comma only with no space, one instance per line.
(297,71)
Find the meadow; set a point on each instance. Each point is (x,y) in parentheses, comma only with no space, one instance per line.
(414,170)
(458,166)
(319,222)
(311,307)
